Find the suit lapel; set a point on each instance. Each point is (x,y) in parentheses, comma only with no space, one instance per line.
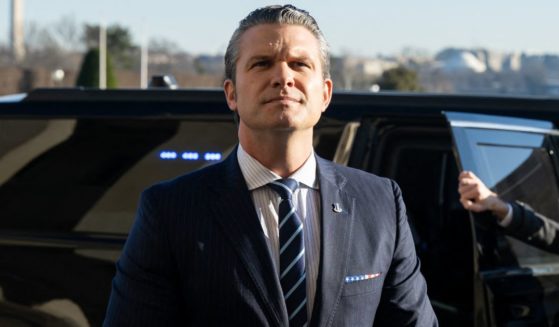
(234,211)
(335,234)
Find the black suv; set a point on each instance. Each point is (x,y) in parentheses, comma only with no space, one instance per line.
(73,163)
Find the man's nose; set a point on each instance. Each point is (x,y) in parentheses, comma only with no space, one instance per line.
(282,75)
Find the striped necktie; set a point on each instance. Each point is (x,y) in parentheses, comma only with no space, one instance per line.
(292,253)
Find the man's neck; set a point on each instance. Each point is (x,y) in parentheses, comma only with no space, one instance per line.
(281,153)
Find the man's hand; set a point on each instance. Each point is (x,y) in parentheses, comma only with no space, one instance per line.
(475,196)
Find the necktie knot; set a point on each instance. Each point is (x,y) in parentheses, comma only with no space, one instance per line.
(284,187)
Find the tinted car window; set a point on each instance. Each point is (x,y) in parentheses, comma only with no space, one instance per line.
(518,166)
(86,175)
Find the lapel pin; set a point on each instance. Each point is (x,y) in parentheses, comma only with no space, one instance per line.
(336,208)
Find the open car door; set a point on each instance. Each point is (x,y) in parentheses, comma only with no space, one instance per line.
(516,284)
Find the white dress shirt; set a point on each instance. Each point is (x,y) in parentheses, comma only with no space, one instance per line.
(307,201)
(505,222)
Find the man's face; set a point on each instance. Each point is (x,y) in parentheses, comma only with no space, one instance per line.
(279,81)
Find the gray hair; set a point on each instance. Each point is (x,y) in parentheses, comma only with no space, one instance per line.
(287,14)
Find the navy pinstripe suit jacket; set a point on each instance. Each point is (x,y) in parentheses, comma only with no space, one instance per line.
(197,256)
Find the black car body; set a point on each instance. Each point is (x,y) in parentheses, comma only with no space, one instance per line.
(73,163)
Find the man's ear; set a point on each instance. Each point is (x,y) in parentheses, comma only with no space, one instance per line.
(327,93)
(229,89)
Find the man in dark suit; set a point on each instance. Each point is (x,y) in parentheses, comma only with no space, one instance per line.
(517,219)
(273,235)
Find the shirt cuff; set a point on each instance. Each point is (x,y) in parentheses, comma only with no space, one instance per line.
(508,218)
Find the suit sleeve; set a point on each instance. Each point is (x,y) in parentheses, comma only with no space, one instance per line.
(404,300)
(533,228)
(144,289)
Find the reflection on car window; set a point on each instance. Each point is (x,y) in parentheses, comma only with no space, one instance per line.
(91,179)
(509,159)
(193,146)
(23,141)
(530,182)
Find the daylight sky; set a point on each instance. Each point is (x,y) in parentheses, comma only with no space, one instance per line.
(359,27)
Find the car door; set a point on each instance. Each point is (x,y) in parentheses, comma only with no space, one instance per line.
(516,284)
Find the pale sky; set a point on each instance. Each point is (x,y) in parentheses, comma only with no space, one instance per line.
(360,27)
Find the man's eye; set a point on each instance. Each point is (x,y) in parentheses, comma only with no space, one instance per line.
(262,63)
(300,64)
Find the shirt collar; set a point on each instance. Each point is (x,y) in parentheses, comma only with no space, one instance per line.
(256,175)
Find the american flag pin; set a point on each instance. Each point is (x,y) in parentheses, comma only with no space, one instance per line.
(336,208)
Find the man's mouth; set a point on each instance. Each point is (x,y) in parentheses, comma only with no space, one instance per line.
(282,99)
